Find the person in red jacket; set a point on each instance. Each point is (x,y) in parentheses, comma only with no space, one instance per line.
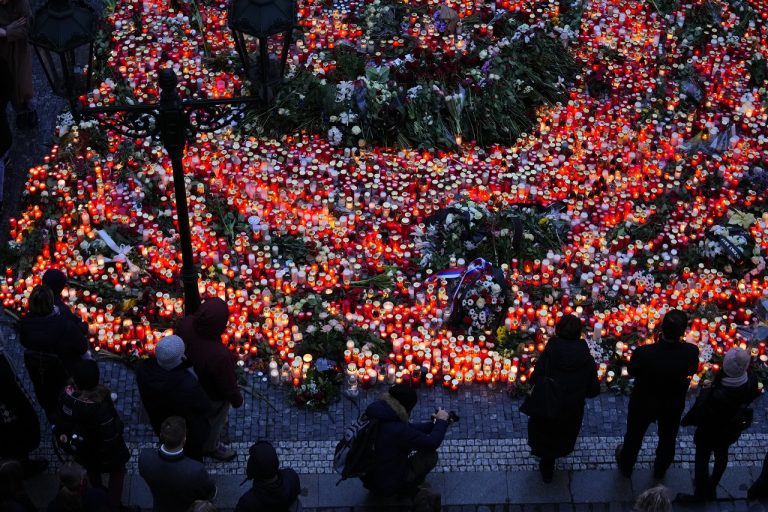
(215,366)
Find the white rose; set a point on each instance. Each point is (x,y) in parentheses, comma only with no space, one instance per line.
(356,130)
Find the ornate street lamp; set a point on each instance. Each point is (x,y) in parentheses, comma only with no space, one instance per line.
(59,32)
(253,24)
(60,28)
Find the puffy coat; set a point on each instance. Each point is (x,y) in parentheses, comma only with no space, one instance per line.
(175,392)
(396,440)
(100,425)
(54,334)
(716,424)
(212,360)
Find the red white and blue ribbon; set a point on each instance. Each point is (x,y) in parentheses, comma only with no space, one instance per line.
(466,276)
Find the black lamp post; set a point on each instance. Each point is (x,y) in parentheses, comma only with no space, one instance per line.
(60,28)
(253,24)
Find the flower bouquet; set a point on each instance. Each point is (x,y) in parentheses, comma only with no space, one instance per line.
(317,391)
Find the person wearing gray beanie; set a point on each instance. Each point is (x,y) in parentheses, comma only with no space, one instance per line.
(170,352)
(721,413)
(168,386)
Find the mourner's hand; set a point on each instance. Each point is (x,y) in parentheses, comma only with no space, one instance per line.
(441,414)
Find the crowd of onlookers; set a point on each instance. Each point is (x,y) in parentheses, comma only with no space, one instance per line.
(189,385)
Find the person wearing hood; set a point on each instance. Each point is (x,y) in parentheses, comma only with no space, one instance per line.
(169,387)
(175,480)
(274,489)
(662,373)
(214,364)
(567,360)
(88,404)
(54,344)
(719,419)
(396,469)
(57,281)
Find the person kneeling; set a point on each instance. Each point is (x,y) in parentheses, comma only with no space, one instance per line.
(396,470)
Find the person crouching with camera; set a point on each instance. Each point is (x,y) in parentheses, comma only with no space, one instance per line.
(404,452)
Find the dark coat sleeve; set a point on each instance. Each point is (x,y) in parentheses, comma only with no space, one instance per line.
(206,485)
(416,440)
(593,384)
(226,383)
(75,341)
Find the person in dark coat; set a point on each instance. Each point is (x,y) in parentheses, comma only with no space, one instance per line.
(168,387)
(662,373)
(719,420)
(567,360)
(274,489)
(75,495)
(6,135)
(13,497)
(54,344)
(759,488)
(57,281)
(214,364)
(19,425)
(396,469)
(176,481)
(89,405)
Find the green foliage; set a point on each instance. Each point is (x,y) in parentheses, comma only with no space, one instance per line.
(318,391)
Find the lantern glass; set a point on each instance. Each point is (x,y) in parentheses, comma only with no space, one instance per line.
(263,30)
(62,33)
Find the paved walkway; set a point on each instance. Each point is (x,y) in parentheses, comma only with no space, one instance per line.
(485,460)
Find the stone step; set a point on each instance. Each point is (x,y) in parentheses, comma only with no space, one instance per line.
(494,490)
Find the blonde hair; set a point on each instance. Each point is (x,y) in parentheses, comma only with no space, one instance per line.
(655,499)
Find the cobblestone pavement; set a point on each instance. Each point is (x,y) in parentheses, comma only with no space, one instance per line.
(490,436)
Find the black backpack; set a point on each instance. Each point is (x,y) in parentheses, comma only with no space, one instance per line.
(353,457)
(70,434)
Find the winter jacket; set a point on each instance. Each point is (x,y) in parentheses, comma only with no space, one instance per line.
(54,345)
(67,312)
(176,481)
(175,392)
(571,365)
(99,424)
(662,374)
(275,496)
(56,333)
(719,410)
(397,438)
(212,360)
(19,425)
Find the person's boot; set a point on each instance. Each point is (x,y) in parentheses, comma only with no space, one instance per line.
(547,469)
(617,455)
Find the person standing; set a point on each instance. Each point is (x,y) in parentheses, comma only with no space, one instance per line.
(56,280)
(19,425)
(14,50)
(175,480)
(274,489)
(567,360)
(404,452)
(6,136)
(168,387)
(662,373)
(214,364)
(88,405)
(54,344)
(721,415)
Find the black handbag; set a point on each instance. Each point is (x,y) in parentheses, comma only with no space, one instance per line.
(545,399)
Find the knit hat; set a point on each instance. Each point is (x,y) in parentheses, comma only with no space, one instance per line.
(71,475)
(404,394)
(86,374)
(736,362)
(262,461)
(169,352)
(55,280)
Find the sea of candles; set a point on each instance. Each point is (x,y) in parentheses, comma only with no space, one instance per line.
(609,160)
